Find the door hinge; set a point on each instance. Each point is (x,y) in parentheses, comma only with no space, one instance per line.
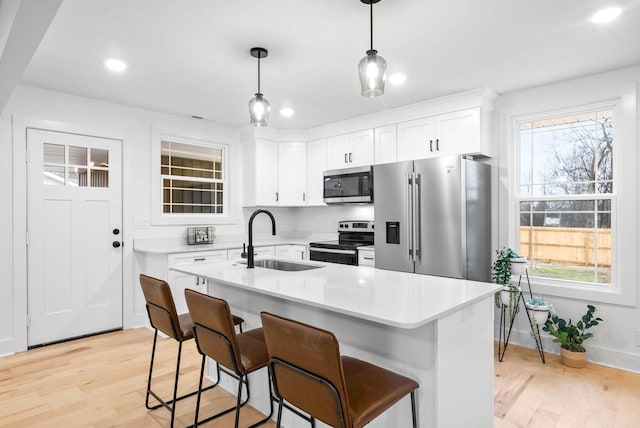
(27,238)
(28,321)
(26,158)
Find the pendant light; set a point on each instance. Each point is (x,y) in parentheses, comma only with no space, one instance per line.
(372,68)
(259,106)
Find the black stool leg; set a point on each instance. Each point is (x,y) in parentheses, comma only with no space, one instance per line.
(153,354)
(414,416)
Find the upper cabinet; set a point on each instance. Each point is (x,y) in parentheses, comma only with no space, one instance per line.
(457,132)
(316,165)
(349,150)
(279,172)
(385,144)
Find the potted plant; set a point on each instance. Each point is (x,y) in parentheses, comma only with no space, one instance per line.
(501,274)
(571,336)
(539,309)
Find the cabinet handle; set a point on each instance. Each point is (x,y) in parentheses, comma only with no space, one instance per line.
(301,255)
(277,197)
(437,145)
(350,160)
(345,158)
(430,145)
(199,259)
(197,280)
(304,196)
(368,258)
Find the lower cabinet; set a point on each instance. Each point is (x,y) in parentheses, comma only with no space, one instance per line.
(366,257)
(236,253)
(292,252)
(179,281)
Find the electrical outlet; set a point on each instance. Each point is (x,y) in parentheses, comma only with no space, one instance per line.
(637,337)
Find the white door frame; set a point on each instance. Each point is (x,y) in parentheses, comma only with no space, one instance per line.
(16,341)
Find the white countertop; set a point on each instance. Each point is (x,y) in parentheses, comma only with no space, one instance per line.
(396,299)
(169,246)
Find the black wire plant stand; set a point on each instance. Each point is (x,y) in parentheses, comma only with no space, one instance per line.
(509,317)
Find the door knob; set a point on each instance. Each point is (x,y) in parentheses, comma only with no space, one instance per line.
(116,244)
(116,231)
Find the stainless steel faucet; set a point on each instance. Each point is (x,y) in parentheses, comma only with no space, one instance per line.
(273,232)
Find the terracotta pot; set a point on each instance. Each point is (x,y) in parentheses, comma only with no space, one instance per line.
(573,359)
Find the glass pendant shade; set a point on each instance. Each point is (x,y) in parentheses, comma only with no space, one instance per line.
(259,110)
(373,74)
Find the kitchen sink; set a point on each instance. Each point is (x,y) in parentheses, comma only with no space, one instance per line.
(282,265)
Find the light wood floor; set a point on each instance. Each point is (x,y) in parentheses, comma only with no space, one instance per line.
(100,382)
(528,393)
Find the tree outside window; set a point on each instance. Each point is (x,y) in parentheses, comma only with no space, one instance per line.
(566,196)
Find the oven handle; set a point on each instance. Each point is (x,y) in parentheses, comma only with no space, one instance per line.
(327,250)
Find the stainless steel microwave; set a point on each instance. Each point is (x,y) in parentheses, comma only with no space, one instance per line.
(349,185)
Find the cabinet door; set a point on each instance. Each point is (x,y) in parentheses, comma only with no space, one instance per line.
(179,281)
(361,148)
(337,152)
(385,144)
(366,257)
(266,172)
(292,174)
(458,132)
(416,139)
(316,165)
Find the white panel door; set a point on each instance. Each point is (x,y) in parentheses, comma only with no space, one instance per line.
(292,174)
(385,144)
(338,152)
(74,235)
(459,132)
(361,151)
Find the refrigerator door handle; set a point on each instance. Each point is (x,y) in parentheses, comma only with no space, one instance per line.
(416,217)
(410,234)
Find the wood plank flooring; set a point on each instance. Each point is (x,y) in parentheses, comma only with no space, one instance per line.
(100,382)
(528,393)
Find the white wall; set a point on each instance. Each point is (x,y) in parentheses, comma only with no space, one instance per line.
(614,343)
(33,107)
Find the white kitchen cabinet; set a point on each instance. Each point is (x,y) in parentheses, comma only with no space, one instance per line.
(349,150)
(179,281)
(316,165)
(292,174)
(280,173)
(366,256)
(235,254)
(266,172)
(292,252)
(457,132)
(385,144)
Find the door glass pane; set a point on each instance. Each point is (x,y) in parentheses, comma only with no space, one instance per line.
(53,175)
(77,156)
(77,177)
(100,158)
(99,178)
(53,153)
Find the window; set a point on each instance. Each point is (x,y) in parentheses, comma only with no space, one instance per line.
(566,199)
(193,178)
(75,166)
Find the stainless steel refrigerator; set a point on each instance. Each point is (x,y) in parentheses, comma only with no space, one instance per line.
(433,217)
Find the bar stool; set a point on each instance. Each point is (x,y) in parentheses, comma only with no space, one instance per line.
(308,371)
(216,338)
(163,317)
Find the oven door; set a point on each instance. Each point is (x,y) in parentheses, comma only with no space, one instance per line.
(331,255)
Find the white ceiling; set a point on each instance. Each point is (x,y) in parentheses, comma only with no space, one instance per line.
(192,57)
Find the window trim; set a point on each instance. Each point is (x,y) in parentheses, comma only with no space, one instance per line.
(618,292)
(158,217)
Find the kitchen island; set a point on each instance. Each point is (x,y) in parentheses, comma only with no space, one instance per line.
(438,331)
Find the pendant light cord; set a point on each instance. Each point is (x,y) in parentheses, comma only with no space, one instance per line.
(259,55)
(371,22)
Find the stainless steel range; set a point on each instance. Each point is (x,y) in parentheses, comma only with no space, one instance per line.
(351,235)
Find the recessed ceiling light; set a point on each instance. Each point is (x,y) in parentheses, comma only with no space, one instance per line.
(606,15)
(114,64)
(286,112)
(397,78)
